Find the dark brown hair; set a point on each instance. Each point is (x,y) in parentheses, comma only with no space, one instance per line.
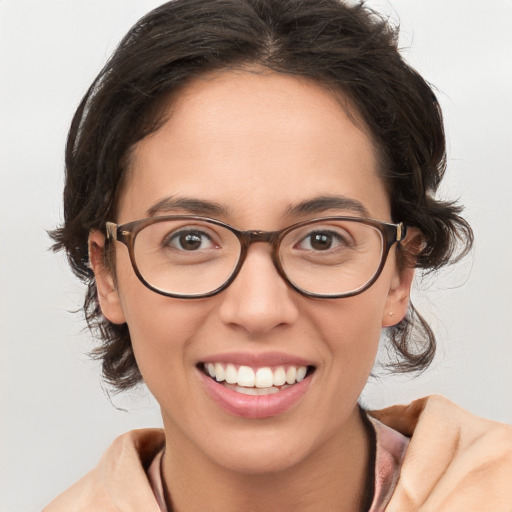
(348,49)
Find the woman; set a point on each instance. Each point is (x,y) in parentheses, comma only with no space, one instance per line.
(250,186)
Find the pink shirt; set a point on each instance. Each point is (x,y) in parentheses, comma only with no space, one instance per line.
(389,454)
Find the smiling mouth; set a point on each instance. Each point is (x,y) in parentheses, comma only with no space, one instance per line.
(256,381)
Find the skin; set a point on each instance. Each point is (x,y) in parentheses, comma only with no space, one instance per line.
(256,144)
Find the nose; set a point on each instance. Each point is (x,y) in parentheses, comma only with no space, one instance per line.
(258,300)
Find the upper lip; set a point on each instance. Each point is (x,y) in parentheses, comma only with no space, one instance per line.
(257,359)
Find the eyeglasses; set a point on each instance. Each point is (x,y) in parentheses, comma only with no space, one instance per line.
(189,257)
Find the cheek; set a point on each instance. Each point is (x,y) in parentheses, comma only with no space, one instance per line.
(161,329)
(354,321)
(348,330)
(162,333)
(351,330)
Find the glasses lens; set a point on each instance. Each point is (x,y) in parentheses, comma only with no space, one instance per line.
(186,257)
(332,257)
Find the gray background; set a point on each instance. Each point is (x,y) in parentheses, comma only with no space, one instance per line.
(55,417)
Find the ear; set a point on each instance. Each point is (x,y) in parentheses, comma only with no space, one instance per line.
(397,301)
(399,294)
(108,295)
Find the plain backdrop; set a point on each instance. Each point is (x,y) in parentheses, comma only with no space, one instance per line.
(56,419)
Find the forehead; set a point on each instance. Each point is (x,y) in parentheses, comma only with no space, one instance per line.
(251,141)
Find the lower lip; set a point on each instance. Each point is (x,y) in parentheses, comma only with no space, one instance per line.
(254,406)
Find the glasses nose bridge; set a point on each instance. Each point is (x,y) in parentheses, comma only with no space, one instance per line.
(251,237)
(248,238)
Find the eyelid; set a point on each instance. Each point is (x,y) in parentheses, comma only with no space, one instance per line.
(325,227)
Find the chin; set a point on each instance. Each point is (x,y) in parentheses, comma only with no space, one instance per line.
(257,450)
(261,460)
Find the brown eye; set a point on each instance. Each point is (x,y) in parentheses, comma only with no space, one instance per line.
(322,241)
(189,241)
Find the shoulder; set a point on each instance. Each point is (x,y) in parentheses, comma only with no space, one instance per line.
(119,481)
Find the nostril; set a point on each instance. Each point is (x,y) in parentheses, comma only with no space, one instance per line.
(258,300)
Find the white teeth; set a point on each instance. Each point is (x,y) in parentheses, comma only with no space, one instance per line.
(291,373)
(263,379)
(231,374)
(256,391)
(246,377)
(301,373)
(247,391)
(279,377)
(219,372)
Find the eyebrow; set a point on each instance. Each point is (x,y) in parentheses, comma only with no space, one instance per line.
(190,205)
(315,205)
(321,204)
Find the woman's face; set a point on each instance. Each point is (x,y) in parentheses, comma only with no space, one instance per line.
(248,148)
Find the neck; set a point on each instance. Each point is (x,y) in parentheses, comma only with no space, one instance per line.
(336,476)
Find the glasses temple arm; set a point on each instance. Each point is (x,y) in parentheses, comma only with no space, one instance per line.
(401,232)
(111,229)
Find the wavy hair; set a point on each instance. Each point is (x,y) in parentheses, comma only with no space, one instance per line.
(349,49)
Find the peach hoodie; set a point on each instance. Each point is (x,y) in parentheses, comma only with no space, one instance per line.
(127,478)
